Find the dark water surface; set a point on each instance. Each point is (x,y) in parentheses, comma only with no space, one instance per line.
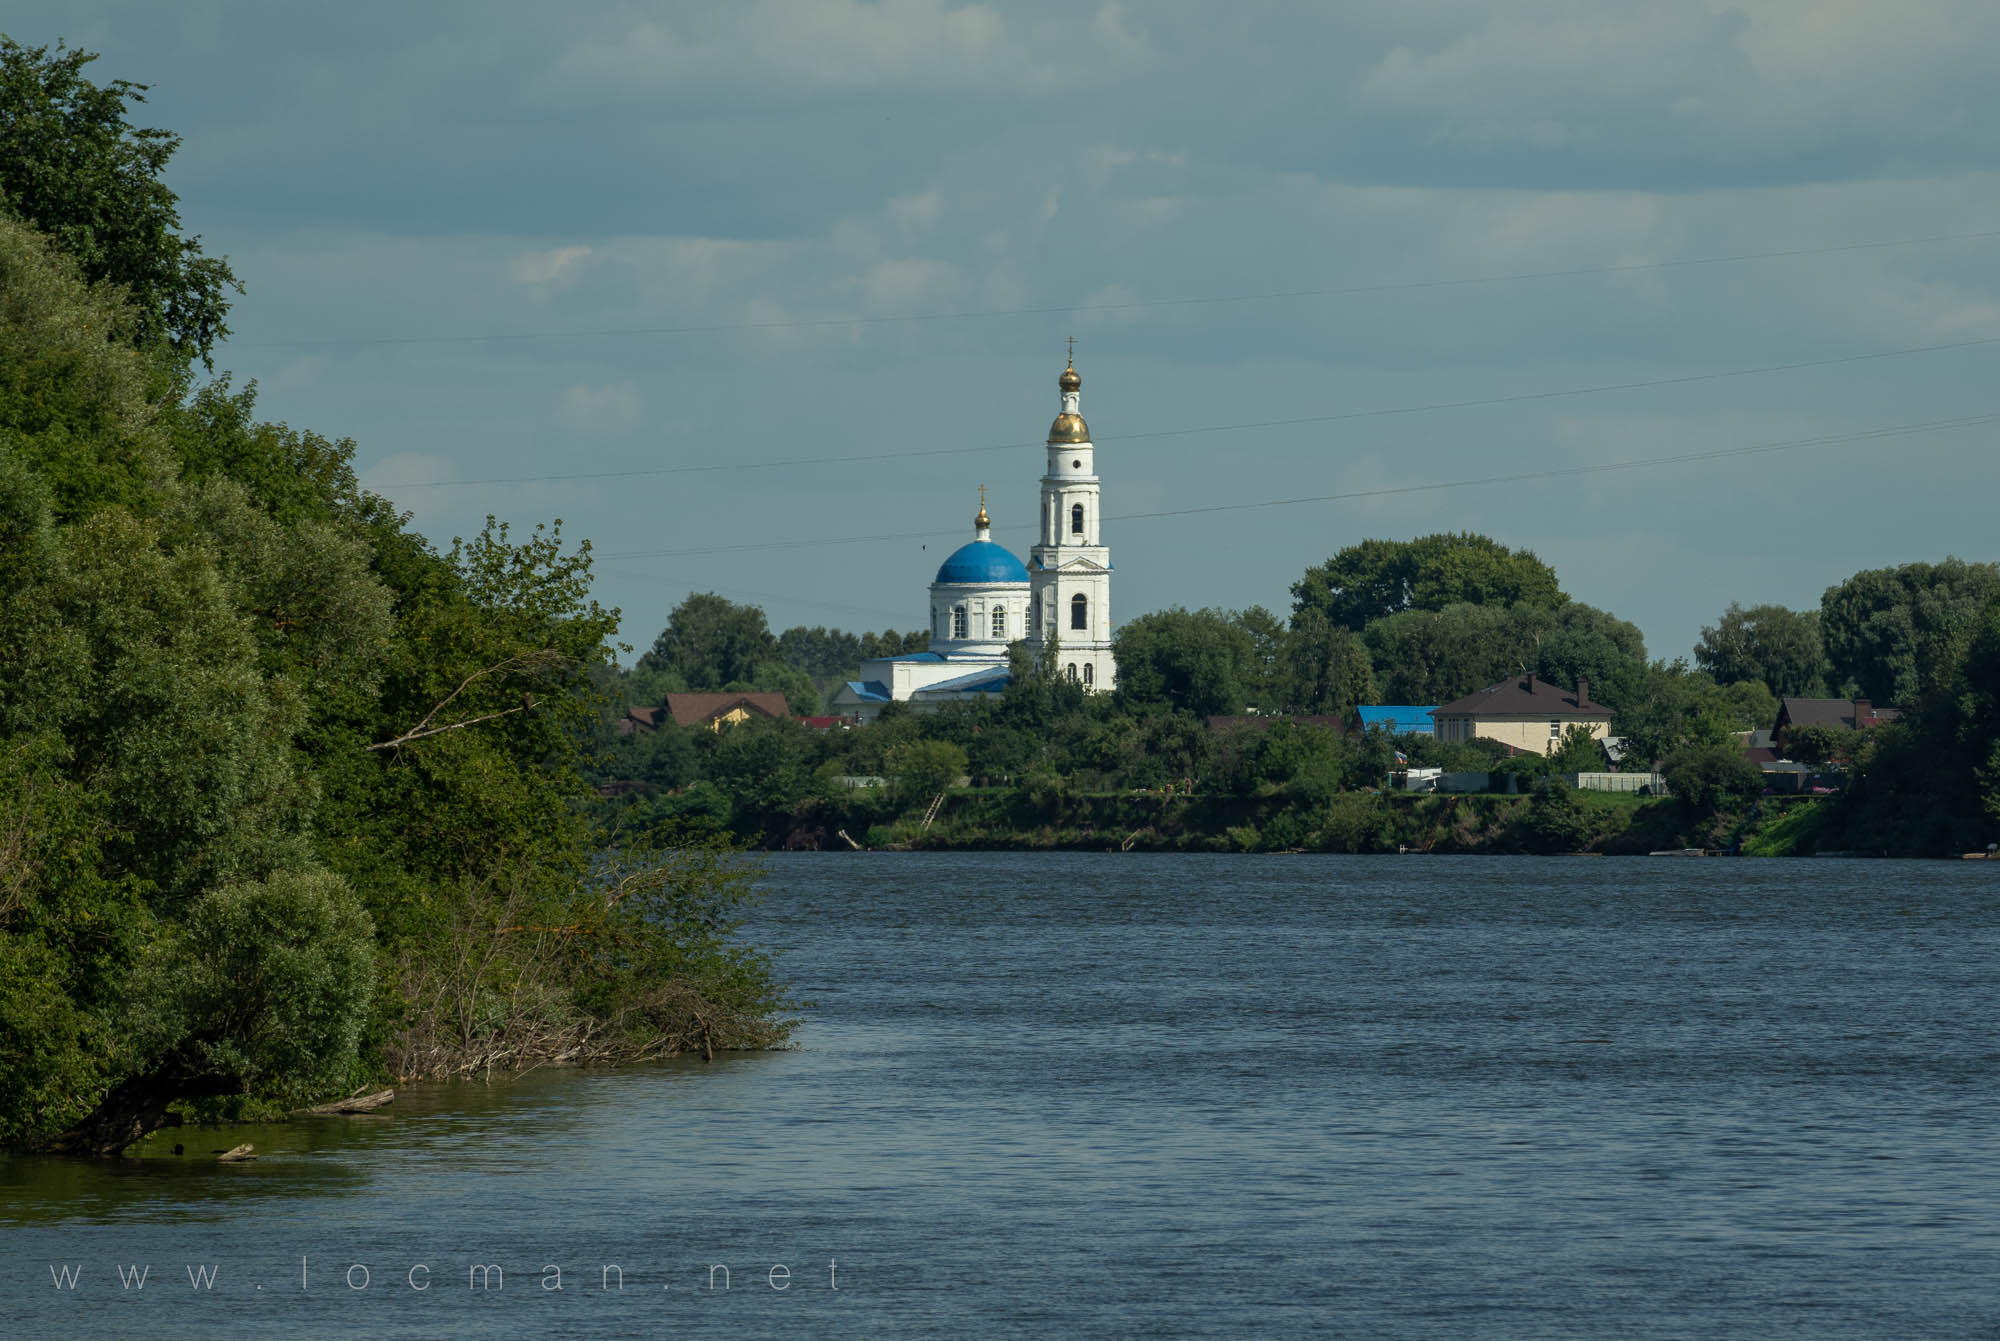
(1058,1095)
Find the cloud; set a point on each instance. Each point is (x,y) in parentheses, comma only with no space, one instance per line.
(804,46)
(547,267)
(605,409)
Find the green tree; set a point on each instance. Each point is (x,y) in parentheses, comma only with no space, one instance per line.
(1894,635)
(1195,661)
(1580,752)
(1769,643)
(1817,745)
(263,990)
(75,168)
(711,641)
(1707,777)
(1331,671)
(921,769)
(1556,820)
(1380,578)
(1268,679)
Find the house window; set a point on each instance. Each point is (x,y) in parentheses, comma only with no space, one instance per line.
(958,621)
(1555,730)
(1079,612)
(1071,672)
(1087,676)
(999,622)
(1076,521)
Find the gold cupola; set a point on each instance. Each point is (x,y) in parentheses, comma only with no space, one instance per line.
(1069,425)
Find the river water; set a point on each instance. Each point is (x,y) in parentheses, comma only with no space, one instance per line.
(1100,1095)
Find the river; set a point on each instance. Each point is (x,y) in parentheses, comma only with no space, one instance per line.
(1100,1095)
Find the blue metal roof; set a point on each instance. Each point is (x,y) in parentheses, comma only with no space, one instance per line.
(872,690)
(981,561)
(991,680)
(1398,719)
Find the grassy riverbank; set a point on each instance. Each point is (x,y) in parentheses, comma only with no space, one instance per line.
(1023,819)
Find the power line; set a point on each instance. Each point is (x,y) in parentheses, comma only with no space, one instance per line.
(659,579)
(1756,449)
(1479,402)
(1351,290)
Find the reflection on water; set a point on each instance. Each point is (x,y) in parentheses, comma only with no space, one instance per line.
(1102,1095)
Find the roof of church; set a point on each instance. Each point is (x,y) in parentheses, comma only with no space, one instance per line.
(981,561)
(991,680)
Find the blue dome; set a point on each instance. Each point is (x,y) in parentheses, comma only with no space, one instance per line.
(981,561)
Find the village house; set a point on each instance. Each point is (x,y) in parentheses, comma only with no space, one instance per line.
(713,711)
(1528,714)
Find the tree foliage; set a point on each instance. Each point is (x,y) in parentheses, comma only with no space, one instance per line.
(1379,578)
(1780,647)
(73,167)
(1196,661)
(1894,634)
(267,757)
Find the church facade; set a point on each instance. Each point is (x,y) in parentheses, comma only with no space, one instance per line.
(984,598)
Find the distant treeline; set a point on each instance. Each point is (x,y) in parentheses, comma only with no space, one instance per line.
(1420,622)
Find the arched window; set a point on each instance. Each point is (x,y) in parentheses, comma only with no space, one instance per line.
(1040,619)
(1079,612)
(1086,675)
(999,621)
(1076,520)
(958,621)
(1071,672)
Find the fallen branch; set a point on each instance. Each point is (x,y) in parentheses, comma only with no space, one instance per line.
(360,1103)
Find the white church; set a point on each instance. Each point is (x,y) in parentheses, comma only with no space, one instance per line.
(984,598)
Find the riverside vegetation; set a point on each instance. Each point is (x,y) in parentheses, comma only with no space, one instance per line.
(290,801)
(1423,621)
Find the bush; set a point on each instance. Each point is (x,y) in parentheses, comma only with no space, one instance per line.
(1707,778)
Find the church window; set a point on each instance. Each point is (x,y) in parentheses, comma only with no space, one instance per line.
(1086,676)
(1079,612)
(999,621)
(1076,519)
(1071,672)
(958,621)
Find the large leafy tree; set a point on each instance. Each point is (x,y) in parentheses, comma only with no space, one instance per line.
(1894,635)
(711,642)
(73,166)
(1781,647)
(1379,578)
(1196,661)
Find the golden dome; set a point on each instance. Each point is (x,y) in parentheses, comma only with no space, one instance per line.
(1069,428)
(1069,381)
(982,521)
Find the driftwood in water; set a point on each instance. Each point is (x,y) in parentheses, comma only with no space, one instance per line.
(237,1155)
(349,1107)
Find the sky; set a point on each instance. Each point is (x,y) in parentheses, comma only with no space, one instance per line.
(754,297)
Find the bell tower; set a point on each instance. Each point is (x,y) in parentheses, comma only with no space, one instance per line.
(1069,568)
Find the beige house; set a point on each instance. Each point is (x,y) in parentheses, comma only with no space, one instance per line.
(1529,714)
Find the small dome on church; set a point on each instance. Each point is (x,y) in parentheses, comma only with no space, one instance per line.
(981,562)
(1070,381)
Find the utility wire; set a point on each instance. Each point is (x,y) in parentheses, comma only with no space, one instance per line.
(817,323)
(1644,463)
(1483,401)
